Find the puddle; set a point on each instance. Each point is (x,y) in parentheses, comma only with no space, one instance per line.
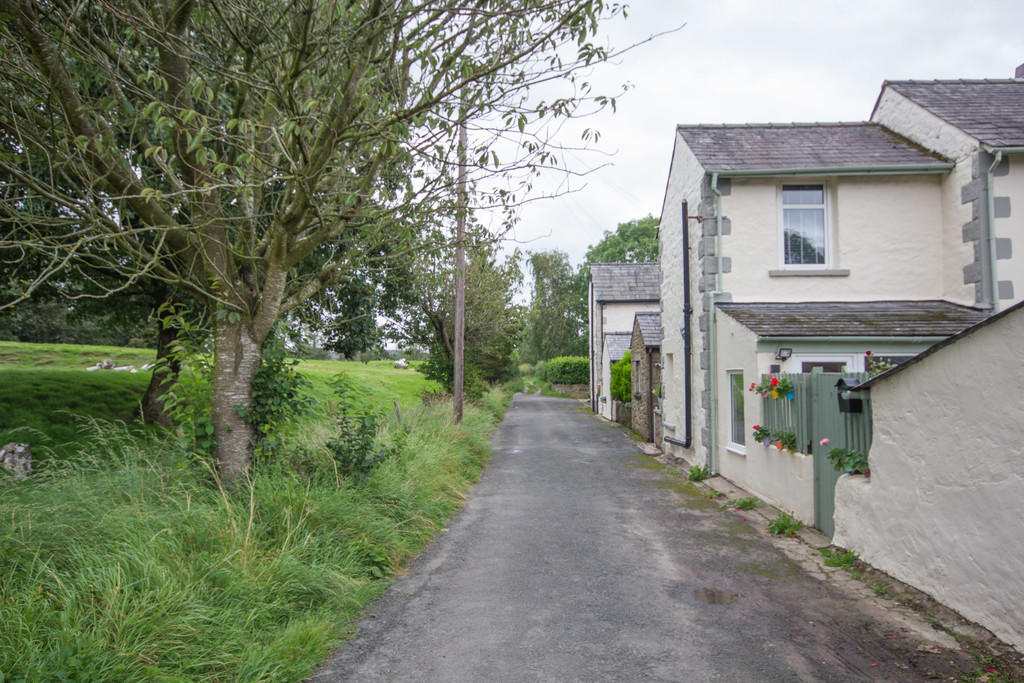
(715,597)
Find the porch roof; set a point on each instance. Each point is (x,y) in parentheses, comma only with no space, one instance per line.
(618,344)
(650,329)
(854,318)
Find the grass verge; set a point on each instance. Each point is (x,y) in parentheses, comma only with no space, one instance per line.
(137,568)
(125,561)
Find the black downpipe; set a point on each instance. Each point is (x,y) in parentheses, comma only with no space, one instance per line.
(685,331)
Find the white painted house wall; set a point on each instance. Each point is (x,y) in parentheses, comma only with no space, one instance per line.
(1010,188)
(942,510)
(898,113)
(786,480)
(685,179)
(885,230)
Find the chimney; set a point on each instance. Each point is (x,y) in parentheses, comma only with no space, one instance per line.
(1019,73)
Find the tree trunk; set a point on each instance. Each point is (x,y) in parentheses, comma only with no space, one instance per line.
(154,411)
(237,355)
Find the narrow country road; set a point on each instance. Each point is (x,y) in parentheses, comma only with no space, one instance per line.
(578,559)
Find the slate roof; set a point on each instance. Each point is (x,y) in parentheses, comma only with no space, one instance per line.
(650,328)
(858,318)
(1016,309)
(618,344)
(625,282)
(772,146)
(990,110)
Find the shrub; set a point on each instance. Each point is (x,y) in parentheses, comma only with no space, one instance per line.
(621,379)
(540,370)
(567,370)
(356,449)
(525,369)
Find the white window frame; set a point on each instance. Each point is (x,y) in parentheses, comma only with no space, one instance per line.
(740,448)
(854,362)
(826,206)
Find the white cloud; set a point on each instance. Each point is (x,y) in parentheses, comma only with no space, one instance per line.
(756,61)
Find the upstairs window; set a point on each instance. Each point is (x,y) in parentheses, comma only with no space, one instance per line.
(804,226)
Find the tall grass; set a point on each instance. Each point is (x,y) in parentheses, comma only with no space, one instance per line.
(134,565)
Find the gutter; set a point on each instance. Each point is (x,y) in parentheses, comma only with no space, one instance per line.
(838,339)
(906,169)
(990,198)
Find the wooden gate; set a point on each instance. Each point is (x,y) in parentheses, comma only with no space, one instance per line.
(814,414)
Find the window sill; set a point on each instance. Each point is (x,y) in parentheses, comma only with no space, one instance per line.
(809,272)
(737,450)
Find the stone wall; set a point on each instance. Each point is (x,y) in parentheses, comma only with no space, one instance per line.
(575,390)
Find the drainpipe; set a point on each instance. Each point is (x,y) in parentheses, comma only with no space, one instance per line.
(713,355)
(593,328)
(687,440)
(687,312)
(990,197)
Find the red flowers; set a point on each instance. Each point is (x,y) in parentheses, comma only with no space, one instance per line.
(867,353)
(775,381)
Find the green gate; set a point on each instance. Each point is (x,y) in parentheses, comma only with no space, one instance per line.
(814,414)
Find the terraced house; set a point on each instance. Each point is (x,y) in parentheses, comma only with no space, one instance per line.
(617,292)
(790,247)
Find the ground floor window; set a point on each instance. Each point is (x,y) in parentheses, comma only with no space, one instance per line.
(737,431)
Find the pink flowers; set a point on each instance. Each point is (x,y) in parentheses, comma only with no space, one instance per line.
(825,441)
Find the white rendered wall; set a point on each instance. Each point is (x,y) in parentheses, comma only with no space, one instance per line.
(896,112)
(886,230)
(786,480)
(619,316)
(956,252)
(684,184)
(1012,228)
(942,510)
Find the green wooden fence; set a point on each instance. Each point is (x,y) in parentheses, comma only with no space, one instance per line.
(814,414)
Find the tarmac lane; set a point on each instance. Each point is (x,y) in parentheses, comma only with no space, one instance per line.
(578,559)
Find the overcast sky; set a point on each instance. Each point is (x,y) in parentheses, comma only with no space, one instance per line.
(756,61)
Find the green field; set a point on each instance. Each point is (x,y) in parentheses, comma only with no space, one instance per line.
(45,390)
(129,563)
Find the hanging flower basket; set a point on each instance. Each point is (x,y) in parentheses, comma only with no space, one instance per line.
(773,387)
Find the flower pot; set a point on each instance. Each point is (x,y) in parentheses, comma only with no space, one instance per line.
(790,395)
(767,442)
(778,444)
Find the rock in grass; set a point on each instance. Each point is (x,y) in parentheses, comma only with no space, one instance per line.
(17,458)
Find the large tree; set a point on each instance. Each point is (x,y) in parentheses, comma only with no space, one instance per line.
(255,152)
(493,319)
(634,241)
(557,319)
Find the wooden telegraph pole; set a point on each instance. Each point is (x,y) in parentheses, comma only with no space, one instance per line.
(460,278)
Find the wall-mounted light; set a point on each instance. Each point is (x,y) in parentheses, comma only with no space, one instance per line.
(783,353)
